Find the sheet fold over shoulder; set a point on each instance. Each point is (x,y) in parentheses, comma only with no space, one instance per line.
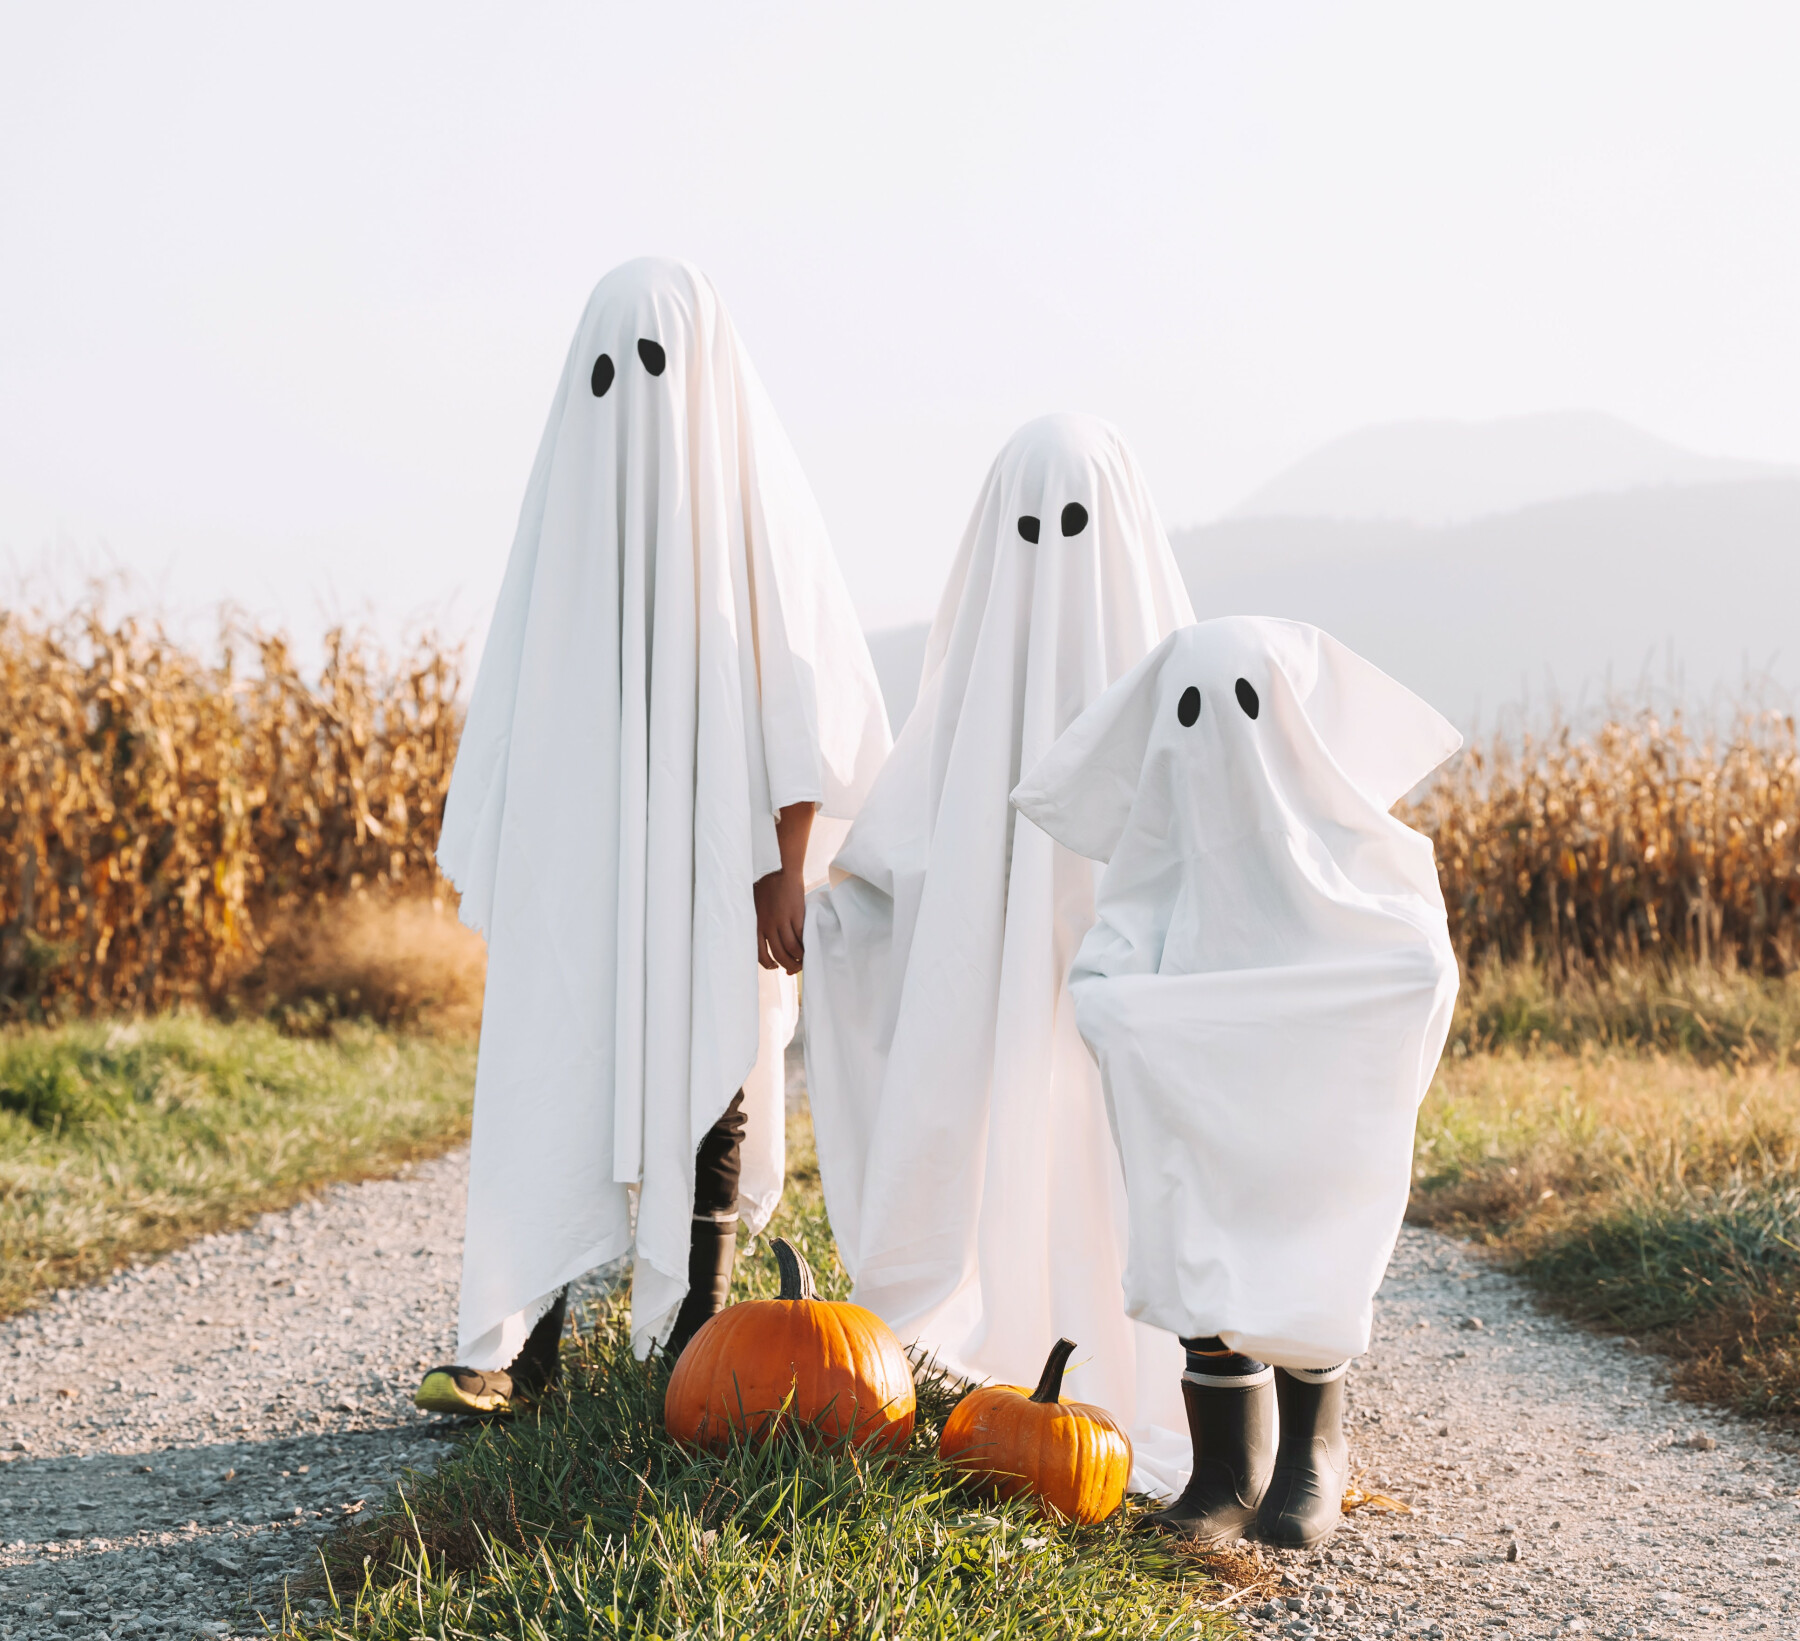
(673,659)
(972,1186)
(1269,979)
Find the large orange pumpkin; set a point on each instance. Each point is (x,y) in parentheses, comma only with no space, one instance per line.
(1072,1457)
(833,1367)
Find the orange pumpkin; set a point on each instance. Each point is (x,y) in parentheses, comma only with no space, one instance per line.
(1072,1457)
(835,1368)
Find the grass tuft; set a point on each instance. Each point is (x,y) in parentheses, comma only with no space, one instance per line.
(1713,1016)
(1647,1195)
(124,1139)
(581,1518)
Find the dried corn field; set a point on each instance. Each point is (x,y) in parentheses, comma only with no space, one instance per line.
(160,811)
(1641,841)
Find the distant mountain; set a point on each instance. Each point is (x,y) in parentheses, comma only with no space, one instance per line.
(1570,597)
(1445,472)
(1496,564)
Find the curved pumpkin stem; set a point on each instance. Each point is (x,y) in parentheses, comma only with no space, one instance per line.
(1049,1388)
(796,1274)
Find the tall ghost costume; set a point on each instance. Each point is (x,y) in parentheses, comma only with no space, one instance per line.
(1269,982)
(672,661)
(972,1188)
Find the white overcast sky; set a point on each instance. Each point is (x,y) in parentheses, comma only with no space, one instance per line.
(284,290)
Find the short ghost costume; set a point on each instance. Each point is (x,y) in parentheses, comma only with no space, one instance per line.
(1269,981)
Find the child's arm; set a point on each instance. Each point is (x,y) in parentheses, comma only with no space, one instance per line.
(781,896)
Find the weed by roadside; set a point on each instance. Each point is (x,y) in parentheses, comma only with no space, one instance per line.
(1710,1015)
(129,1138)
(401,961)
(1649,1195)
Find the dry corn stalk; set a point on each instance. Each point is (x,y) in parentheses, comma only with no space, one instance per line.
(157,808)
(1638,841)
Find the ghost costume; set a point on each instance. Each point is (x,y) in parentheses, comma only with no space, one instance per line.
(972,1188)
(1269,981)
(673,660)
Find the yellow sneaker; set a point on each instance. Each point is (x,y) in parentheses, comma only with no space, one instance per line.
(464,1390)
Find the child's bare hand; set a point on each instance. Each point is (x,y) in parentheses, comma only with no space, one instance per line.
(781,896)
(781,920)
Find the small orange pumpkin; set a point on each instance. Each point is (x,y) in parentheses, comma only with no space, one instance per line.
(1072,1457)
(834,1367)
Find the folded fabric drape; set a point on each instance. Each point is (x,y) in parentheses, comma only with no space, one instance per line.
(673,659)
(1269,981)
(972,1187)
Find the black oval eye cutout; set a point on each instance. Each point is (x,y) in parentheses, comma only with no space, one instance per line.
(652,354)
(1247,698)
(1028,527)
(1074,519)
(603,375)
(1187,709)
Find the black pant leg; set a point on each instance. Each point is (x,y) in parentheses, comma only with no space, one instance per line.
(712,1249)
(719,1163)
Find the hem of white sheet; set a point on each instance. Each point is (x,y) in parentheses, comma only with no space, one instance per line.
(488,1352)
(755,1213)
(656,1298)
(1281,1351)
(1160,1462)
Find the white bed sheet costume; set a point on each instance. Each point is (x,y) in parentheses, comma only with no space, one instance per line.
(1269,982)
(673,659)
(973,1189)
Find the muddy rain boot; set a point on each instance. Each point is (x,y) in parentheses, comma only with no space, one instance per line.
(473,1393)
(1305,1499)
(1231,1420)
(464,1390)
(712,1253)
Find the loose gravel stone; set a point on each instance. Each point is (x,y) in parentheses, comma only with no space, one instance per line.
(174,1443)
(1559,1488)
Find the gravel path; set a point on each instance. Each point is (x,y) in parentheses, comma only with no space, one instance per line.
(1560,1490)
(175,1442)
(178,1440)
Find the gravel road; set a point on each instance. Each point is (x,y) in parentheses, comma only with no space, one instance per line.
(177,1440)
(1560,1490)
(173,1444)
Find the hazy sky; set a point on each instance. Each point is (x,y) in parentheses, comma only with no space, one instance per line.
(284,291)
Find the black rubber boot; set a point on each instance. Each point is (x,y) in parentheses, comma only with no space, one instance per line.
(1305,1499)
(711,1255)
(538,1365)
(1233,1431)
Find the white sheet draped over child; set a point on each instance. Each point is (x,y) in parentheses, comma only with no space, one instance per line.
(1269,982)
(673,659)
(971,1184)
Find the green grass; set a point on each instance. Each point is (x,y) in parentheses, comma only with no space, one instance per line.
(582,1519)
(1708,1015)
(129,1138)
(1645,1194)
